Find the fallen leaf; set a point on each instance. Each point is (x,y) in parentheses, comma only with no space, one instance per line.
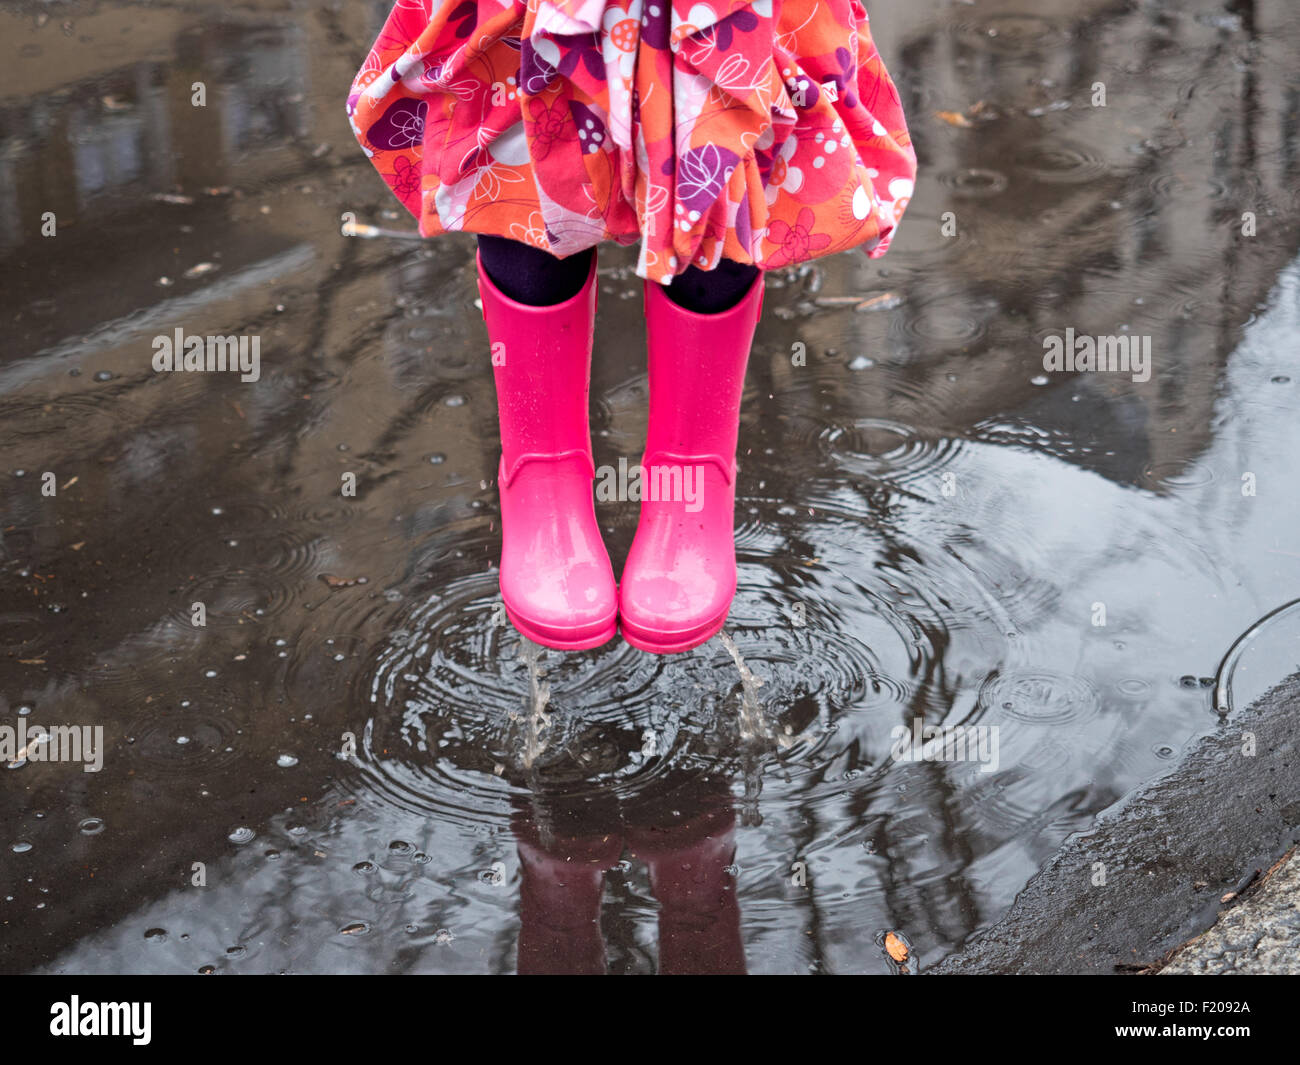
(953,118)
(341,582)
(896,948)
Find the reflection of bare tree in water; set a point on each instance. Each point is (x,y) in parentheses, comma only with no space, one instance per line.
(1059,239)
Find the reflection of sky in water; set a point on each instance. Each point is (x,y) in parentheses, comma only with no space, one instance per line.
(107,154)
(264,98)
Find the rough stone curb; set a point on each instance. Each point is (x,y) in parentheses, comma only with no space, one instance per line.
(1157,867)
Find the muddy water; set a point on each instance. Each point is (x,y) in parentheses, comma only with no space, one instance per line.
(354,766)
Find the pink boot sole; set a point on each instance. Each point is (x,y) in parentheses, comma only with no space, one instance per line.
(566,639)
(658,642)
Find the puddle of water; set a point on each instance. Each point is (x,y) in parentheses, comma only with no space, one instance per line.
(347,761)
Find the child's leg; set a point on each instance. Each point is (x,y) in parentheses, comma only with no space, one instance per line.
(530,275)
(712,291)
(556,582)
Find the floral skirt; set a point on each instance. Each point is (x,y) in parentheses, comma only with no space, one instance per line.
(766,133)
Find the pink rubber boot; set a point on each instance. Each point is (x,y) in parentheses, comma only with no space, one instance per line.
(680,576)
(556,581)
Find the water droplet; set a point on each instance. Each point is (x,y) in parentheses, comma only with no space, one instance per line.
(364,868)
(21,847)
(1187,681)
(1280,379)
(286,761)
(207,970)
(1038,379)
(400,846)
(91,826)
(241,835)
(104,375)
(155,935)
(862,363)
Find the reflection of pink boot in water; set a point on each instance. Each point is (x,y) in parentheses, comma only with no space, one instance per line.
(559,905)
(680,575)
(699,914)
(556,581)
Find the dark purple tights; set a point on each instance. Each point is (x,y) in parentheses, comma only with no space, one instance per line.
(537,278)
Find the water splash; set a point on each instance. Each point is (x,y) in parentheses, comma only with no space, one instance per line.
(539,696)
(753,723)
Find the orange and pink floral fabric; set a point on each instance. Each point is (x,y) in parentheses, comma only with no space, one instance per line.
(766,132)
